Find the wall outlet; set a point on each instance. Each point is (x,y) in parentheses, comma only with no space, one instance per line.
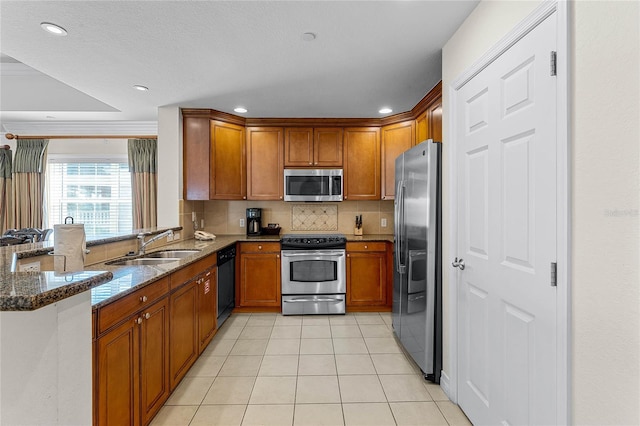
(30,267)
(241,223)
(193,217)
(383,222)
(201,223)
(176,236)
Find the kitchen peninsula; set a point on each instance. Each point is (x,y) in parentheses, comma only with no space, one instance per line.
(50,324)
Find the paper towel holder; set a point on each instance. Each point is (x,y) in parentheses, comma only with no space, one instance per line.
(51,253)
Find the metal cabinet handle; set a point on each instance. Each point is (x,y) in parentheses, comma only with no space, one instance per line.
(277,256)
(366,247)
(138,320)
(147,315)
(458,263)
(259,247)
(143,299)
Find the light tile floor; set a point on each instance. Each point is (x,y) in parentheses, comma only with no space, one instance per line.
(268,369)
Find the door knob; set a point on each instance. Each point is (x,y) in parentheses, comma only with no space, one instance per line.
(458,263)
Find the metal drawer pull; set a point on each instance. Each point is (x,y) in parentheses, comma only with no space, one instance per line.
(300,300)
(143,299)
(147,315)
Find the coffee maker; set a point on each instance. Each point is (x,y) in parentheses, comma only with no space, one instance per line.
(254,221)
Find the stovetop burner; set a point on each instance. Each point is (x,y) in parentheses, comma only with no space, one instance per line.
(306,241)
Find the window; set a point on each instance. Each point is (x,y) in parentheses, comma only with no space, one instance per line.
(95,192)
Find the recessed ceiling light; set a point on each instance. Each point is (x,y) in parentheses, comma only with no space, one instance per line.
(385,110)
(140,88)
(309,36)
(240,109)
(53,29)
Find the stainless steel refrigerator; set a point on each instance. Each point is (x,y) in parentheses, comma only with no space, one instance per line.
(417,284)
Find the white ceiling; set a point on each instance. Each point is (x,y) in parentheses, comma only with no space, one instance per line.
(219,54)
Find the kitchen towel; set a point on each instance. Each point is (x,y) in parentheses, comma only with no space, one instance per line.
(69,245)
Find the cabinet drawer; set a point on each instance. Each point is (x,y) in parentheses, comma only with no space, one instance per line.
(119,310)
(259,247)
(367,246)
(190,271)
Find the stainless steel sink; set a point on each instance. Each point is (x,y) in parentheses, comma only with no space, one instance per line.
(145,261)
(171,253)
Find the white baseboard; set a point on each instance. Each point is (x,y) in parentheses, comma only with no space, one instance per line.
(445,384)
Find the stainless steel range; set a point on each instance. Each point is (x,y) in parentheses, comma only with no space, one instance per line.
(313,274)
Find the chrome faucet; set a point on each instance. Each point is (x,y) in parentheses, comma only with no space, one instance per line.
(142,244)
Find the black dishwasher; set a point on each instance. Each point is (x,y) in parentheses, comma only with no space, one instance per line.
(226,282)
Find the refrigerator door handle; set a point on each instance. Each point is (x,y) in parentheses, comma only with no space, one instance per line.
(399,224)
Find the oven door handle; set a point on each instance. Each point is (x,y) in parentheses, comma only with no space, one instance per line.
(314,299)
(314,253)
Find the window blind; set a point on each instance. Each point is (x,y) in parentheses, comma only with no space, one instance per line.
(94,192)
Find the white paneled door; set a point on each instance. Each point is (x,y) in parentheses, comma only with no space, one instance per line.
(505,140)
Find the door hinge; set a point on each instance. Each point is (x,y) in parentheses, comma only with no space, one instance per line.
(553,63)
(554,274)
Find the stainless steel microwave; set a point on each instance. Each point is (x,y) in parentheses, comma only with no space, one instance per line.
(313,185)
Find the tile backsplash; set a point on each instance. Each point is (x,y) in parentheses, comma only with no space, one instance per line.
(223,217)
(311,217)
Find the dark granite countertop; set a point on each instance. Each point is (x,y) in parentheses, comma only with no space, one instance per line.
(28,291)
(109,282)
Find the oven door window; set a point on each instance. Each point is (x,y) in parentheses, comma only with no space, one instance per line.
(307,185)
(313,271)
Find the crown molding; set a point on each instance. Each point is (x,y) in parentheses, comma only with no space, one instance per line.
(96,128)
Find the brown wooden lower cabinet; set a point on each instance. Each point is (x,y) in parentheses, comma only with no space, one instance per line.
(259,275)
(207,308)
(132,365)
(154,359)
(367,281)
(184,331)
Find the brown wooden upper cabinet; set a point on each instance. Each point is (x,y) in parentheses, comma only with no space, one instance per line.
(435,121)
(309,147)
(396,139)
(265,168)
(429,123)
(196,157)
(362,163)
(214,160)
(227,175)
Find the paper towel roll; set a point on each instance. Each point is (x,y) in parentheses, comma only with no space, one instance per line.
(69,245)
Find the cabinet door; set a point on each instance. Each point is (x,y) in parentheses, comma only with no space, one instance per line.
(183,329)
(298,147)
(227,164)
(196,156)
(259,279)
(362,163)
(118,375)
(435,121)
(327,147)
(422,128)
(396,139)
(207,309)
(265,166)
(154,359)
(366,279)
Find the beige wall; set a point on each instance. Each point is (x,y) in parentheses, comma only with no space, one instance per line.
(87,147)
(605,321)
(223,217)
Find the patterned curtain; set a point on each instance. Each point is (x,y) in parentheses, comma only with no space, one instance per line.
(143,159)
(6,197)
(28,182)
